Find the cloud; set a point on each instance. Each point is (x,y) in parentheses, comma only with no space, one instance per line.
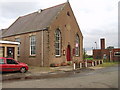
(15,9)
(10,10)
(98,19)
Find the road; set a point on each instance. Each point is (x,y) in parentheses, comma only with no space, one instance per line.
(99,78)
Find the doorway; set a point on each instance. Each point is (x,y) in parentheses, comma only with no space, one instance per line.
(68,53)
(10,52)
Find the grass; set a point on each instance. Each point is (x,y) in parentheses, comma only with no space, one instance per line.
(89,58)
(108,64)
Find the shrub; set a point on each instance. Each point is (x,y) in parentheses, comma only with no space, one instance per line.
(54,65)
(63,64)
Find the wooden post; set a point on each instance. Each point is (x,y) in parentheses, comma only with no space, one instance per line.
(86,64)
(80,65)
(99,62)
(74,66)
(92,63)
(95,63)
(102,61)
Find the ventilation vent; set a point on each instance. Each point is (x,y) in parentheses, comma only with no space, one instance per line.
(68,13)
(40,10)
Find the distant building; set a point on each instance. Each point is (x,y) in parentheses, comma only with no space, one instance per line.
(47,36)
(110,53)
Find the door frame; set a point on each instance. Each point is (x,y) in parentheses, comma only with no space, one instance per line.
(13,49)
(68,55)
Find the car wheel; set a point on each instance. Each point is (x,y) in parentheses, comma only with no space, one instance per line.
(23,70)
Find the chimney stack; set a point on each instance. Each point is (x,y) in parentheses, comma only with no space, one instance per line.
(102,43)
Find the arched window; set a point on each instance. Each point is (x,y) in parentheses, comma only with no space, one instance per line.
(57,42)
(77,45)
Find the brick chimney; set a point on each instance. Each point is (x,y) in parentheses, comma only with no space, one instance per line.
(102,43)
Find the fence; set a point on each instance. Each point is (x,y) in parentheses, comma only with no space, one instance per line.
(86,63)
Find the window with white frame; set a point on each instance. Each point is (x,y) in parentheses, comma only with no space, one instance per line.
(116,53)
(18,40)
(77,45)
(32,45)
(57,42)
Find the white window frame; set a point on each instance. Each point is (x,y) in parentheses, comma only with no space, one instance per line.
(18,40)
(115,53)
(58,35)
(32,44)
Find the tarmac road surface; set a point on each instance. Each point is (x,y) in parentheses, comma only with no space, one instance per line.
(99,78)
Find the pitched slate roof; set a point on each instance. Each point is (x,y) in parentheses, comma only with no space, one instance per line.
(34,21)
(2,31)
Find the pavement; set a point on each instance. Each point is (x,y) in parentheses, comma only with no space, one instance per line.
(35,72)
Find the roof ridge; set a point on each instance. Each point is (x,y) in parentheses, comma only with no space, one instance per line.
(43,9)
(54,6)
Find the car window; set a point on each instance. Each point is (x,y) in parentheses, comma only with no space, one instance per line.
(10,61)
(2,61)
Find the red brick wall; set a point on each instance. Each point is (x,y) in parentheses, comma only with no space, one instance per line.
(114,57)
(110,54)
(97,54)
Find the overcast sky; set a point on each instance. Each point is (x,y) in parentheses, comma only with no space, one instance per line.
(96,18)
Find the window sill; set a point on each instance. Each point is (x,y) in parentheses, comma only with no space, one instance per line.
(32,56)
(57,55)
(77,55)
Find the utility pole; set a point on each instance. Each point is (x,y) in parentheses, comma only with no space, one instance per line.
(96,44)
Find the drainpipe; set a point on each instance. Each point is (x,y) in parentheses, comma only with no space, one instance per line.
(42,59)
(110,56)
(42,42)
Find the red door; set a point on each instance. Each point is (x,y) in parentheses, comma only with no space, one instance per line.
(68,53)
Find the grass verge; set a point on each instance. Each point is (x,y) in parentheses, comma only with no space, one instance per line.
(108,64)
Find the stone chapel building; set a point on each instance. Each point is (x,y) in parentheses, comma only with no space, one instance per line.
(47,36)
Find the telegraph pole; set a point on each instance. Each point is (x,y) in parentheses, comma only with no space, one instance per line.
(96,44)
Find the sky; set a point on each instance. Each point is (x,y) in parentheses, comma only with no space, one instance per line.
(96,18)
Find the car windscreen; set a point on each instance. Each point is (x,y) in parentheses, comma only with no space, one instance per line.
(2,61)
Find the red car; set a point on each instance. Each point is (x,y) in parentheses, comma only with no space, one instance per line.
(9,64)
